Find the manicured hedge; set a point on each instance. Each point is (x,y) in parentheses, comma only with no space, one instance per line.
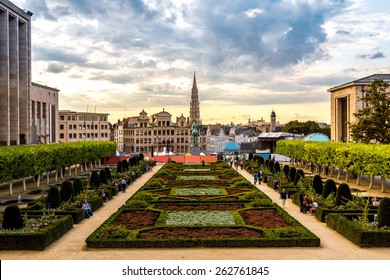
(36,241)
(356,233)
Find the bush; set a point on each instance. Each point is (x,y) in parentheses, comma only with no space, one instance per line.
(108,173)
(286,170)
(12,218)
(330,187)
(125,165)
(137,204)
(67,191)
(119,167)
(103,177)
(291,174)
(77,186)
(343,194)
(94,180)
(271,165)
(300,174)
(277,167)
(317,184)
(53,197)
(384,212)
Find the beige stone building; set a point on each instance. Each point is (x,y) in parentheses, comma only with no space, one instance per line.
(15,74)
(83,126)
(44,114)
(345,102)
(157,133)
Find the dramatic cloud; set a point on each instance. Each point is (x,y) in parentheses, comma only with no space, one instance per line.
(144,52)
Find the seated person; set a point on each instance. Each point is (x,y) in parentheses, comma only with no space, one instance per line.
(314,206)
(103,195)
(87,209)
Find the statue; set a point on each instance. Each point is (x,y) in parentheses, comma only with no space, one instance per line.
(195,134)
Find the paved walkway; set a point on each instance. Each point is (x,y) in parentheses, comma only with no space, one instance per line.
(72,245)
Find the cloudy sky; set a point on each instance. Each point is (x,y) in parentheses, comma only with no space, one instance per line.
(250,57)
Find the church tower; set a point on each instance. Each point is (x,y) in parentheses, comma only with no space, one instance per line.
(194,104)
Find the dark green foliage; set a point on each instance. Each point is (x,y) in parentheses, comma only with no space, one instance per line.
(343,194)
(12,218)
(141,157)
(286,170)
(261,160)
(384,212)
(317,184)
(108,173)
(300,174)
(271,165)
(250,157)
(67,191)
(291,174)
(125,164)
(119,167)
(53,197)
(103,177)
(77,186)
(330,187)
(94,180)
(277,167)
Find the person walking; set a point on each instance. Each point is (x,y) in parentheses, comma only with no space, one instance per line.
(255,176)
(283,197)
(124,184)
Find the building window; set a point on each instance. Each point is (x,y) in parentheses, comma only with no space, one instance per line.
(70,126)
(62,118)
(61,135)
(44,112)
(70,135)
(61,126)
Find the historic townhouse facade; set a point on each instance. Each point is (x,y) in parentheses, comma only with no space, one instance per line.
(156,134)
(15,74)
(83,126)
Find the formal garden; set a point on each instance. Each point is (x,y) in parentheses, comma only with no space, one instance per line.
(348,211)
(200,205)
(55,210)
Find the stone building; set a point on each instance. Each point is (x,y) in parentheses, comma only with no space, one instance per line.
(15,74)
(83,126)
(345,102)
(44,114)
(156,134)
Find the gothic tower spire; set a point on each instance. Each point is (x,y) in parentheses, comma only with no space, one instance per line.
(194,104)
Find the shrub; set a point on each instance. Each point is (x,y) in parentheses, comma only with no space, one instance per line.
(103,177)
(147,197)
(300,174)
(125,165)
(119,167)
(317,184)
(277,167)
(330,187)
(137,204)
(108,173)
(343,194)
(286,170)
(291,174)
(53,197)
(67,191)
(77,186)
(271,165)
(384,212)
(12,218)
(261,160)
(94,180)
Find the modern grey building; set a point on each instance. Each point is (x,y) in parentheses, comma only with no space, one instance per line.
(15,74)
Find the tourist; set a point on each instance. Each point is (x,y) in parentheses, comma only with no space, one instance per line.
(255,176)
(242,164)
(87,209)
(260,176)
(301,205)
(313,207)
(375,202)
(275,183)
(124,184)
(103,195)
(283,197)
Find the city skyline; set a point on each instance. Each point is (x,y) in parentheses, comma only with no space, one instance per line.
(250,58)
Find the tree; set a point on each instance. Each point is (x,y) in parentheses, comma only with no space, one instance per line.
(305,128)
(373,121)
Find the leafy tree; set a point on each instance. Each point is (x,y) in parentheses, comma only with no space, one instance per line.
(373,121)
(305,128)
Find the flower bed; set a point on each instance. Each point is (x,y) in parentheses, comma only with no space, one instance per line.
(216,212)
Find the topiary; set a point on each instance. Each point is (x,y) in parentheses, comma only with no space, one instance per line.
(77,186)
(291,174)
(330,187)
(343,194)
(271,165)
(277,167)
(12,218)
(317,184)
(94,180)
(261,160)
(119,167)
(53,198)
(384,212)
(103,177)
(67,191)
(286,170)
(108,173)
(125,165)
(300,174)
